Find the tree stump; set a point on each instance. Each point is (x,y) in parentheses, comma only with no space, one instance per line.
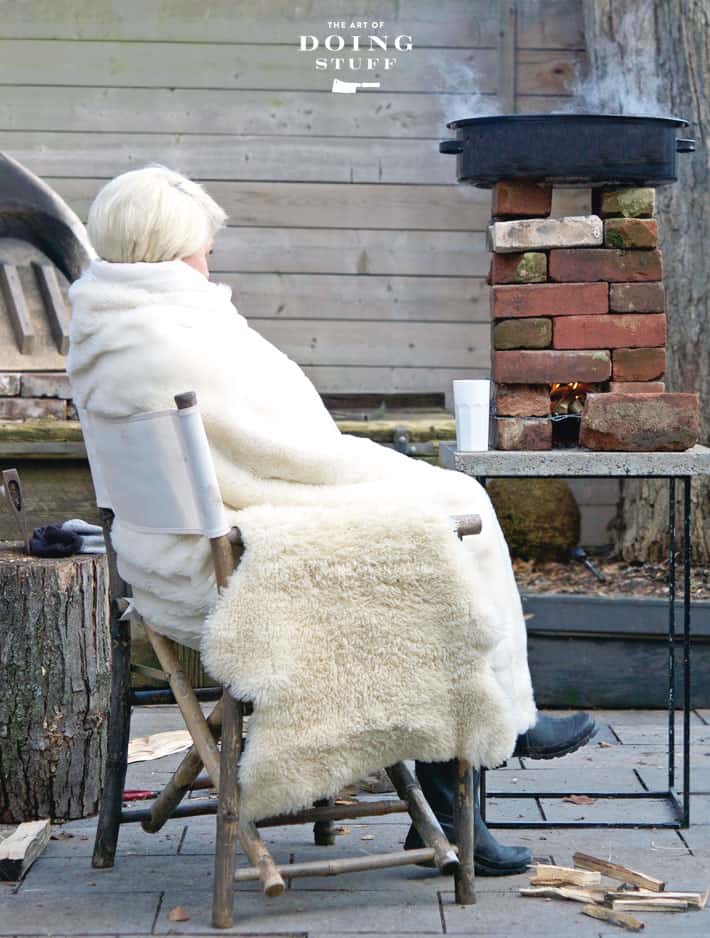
(55,682)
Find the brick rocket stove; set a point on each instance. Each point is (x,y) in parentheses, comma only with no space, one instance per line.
(577,303)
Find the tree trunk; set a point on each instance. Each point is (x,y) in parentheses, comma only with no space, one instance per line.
(55,680)
(641,50)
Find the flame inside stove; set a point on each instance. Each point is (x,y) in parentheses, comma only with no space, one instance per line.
(568,398)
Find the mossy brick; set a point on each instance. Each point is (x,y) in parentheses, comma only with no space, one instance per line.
(520,433)
(549,299)
(521,199)
(605,264)
(522,333)
(630,233)
(26,408)
(522,400)
(640,422)
(528,267)
(9,384)
(629,203)
(619,330)
(638,364)
(546,366)
(637,297)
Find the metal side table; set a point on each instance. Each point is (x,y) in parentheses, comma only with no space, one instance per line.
(676,468)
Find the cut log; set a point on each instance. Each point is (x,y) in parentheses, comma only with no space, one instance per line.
(614,871)
(19,851)
(695,900)
(547,875)
(54,685)
(624,919)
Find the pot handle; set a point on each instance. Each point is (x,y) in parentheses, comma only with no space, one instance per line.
(685,146)
(451,146)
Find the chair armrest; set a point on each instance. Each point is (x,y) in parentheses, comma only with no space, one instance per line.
(467,524)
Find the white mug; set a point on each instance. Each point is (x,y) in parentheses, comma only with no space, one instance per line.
(472,410)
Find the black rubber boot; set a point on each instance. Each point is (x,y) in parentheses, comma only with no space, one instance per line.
(491,858)
(552,737)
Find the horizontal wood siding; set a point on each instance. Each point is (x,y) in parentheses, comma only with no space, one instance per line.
(350,245)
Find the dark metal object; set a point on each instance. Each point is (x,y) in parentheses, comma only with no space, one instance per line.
(678,800)
(32,211)
(567,149)
(580,554)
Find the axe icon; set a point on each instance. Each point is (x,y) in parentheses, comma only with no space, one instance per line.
(11,491)
(350,87)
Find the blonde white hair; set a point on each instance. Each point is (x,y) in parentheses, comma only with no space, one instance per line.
(152,214)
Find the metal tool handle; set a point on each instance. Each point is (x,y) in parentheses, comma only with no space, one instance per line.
(684,145)
(451,146)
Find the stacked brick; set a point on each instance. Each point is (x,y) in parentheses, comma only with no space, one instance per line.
(35,395)
(573,299)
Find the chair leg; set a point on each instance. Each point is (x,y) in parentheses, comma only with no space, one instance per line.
(119,717)
(227,813)
(324,831)
(464,876)
(423,818)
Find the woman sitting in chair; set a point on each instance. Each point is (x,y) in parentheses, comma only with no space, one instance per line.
(147,323)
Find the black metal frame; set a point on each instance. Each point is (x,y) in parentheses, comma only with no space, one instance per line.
(678,799)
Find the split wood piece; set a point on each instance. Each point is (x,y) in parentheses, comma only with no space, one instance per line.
(614,871)
(601,912)
(227,814)
(17,311)
(695,900)
(182,780)
(347,865)
(574,893)
(187,702)
(19,851)
(548,875)
(424,819)
(650,905)
(54,304)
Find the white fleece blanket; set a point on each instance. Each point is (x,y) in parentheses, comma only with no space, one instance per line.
(352,576)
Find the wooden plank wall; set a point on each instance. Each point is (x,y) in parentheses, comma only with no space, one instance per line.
(350,245)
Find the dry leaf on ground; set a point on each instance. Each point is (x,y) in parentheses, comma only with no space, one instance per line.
(579,799)
(178,914)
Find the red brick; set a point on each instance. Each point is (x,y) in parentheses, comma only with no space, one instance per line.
(637,387)
(522,333)
(638,364)
(516,433)
(640,422)
(46,384)
(591,264)
(549,299)
(631,233)
(526,267)
(637,298)
(549,365)
(27,408)
(522,400)
(521,200)
(636,330)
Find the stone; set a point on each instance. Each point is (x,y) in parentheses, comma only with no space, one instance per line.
(619,330)
(521,199)
(522,400)
(637,387)
(9,384)
(539,517)
(549,299)
(528,267)
(640,422)
(534,433)
(637,297)
(522,333)
(605,264)
(550,365)
(46,384)
(539,234)
(631,233)
(27,408)
(638,364)
(630,203)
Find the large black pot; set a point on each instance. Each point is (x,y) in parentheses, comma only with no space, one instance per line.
(567,149)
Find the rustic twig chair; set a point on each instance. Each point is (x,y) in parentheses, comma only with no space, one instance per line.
(154,471)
